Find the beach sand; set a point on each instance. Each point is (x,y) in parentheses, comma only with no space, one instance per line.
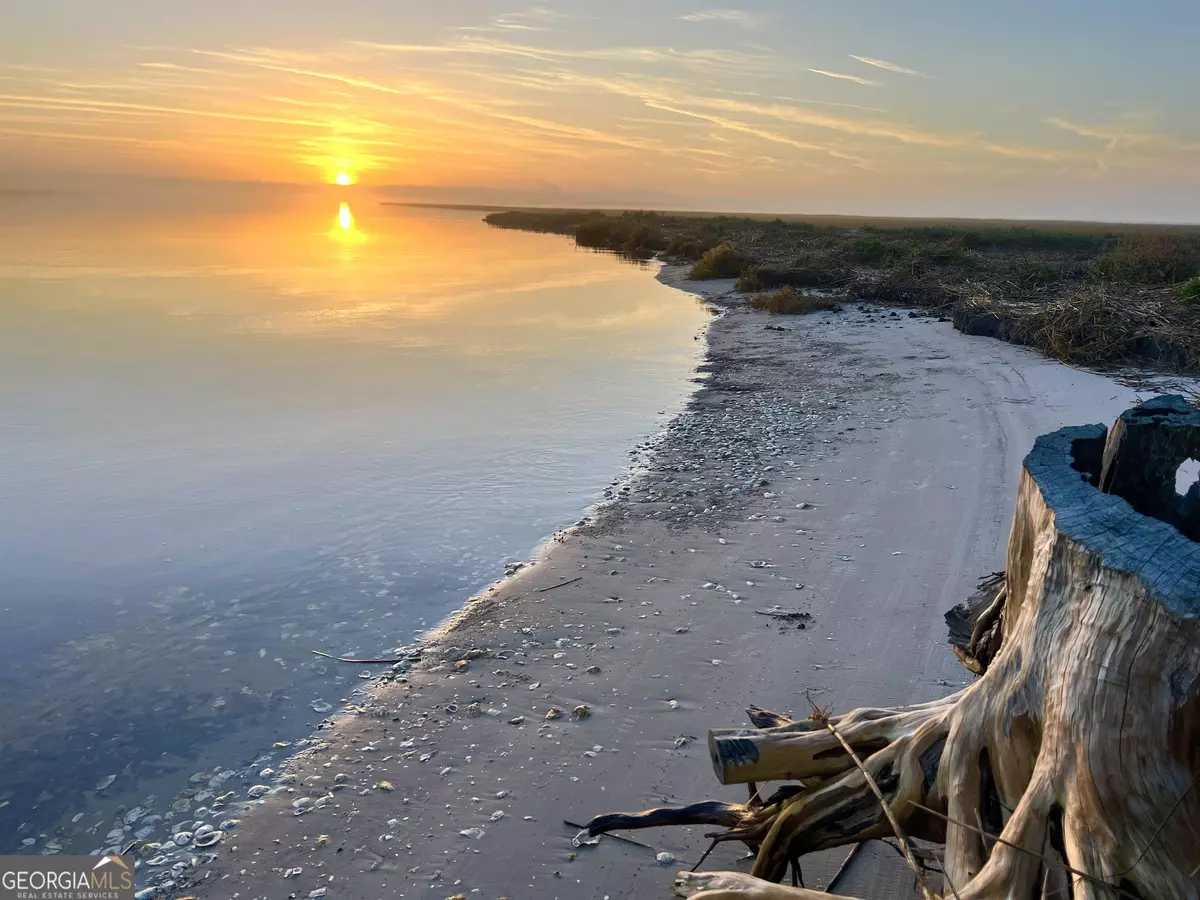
(860,466)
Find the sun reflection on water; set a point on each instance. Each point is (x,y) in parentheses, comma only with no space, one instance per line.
(346,232)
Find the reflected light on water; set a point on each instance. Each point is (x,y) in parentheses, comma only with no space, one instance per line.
(218,421)
(345,231)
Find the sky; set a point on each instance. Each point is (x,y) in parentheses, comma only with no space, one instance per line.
(1081,109)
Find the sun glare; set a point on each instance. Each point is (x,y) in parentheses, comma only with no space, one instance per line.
(343,179)
(345,217)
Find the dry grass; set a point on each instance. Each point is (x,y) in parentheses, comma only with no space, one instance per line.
(1098,324)
(722,261)
(748,282)
(1150,259)
(787,301)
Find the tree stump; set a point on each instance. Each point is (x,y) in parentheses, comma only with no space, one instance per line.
(1070,767)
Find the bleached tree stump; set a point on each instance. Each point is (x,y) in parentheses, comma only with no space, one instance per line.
(1080,742)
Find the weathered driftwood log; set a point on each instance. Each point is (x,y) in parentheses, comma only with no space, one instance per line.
(1070,767)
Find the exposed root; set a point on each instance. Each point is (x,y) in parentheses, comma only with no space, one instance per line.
(1069,764)
(736,886)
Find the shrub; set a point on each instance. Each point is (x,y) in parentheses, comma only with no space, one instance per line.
(627,233)
(688,246)
(722,261)
(1150,258)
(1189,290)
(787,301)
(748,281)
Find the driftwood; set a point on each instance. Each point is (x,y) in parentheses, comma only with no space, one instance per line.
(1070,767)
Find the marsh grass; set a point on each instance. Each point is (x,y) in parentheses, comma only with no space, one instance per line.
(1150,259)
(722,261)
(787,301)
(748,282)
(1189,290)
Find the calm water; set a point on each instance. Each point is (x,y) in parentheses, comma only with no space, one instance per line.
(234,434)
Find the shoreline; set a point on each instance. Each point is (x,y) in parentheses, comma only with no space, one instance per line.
(857,466)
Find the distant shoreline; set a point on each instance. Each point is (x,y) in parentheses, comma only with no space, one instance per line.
(1086,294)
(833,219)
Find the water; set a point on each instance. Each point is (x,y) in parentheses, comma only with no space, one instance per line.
(235,432)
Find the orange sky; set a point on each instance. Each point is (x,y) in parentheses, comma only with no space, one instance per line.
(841,107)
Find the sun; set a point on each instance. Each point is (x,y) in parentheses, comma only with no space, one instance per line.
(343,179)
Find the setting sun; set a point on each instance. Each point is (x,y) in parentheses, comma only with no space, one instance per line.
(343,179)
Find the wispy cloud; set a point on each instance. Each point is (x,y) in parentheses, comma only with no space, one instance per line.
(889,66)
(535,18)
(704,59)
(1123,133)
(842,76)
(736,16)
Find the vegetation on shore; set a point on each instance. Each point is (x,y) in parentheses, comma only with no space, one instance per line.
(1085,293)
(787,301)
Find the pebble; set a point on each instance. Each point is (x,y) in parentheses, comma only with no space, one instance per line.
(665,859)
(472,833)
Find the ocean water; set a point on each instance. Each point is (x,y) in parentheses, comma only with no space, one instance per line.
(236,430)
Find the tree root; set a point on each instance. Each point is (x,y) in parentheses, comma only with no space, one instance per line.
(1068,765)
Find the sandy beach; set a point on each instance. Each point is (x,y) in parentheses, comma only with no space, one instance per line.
(859,466)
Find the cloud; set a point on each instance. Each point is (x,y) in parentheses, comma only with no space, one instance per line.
(736,16)
(889,66)
(1117,135)
(733,61)
(844,77)
(535,18)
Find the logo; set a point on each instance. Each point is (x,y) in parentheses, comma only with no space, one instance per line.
(66,878)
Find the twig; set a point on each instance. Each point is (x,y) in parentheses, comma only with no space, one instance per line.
(711,848)
(979,822)
(615,837)
(887,812)
(360,661)
(837,876)
(560,584)
(1158,830)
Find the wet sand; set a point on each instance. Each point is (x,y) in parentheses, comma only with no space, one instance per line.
(859,466)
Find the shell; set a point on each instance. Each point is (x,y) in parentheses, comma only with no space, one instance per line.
(209,839)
